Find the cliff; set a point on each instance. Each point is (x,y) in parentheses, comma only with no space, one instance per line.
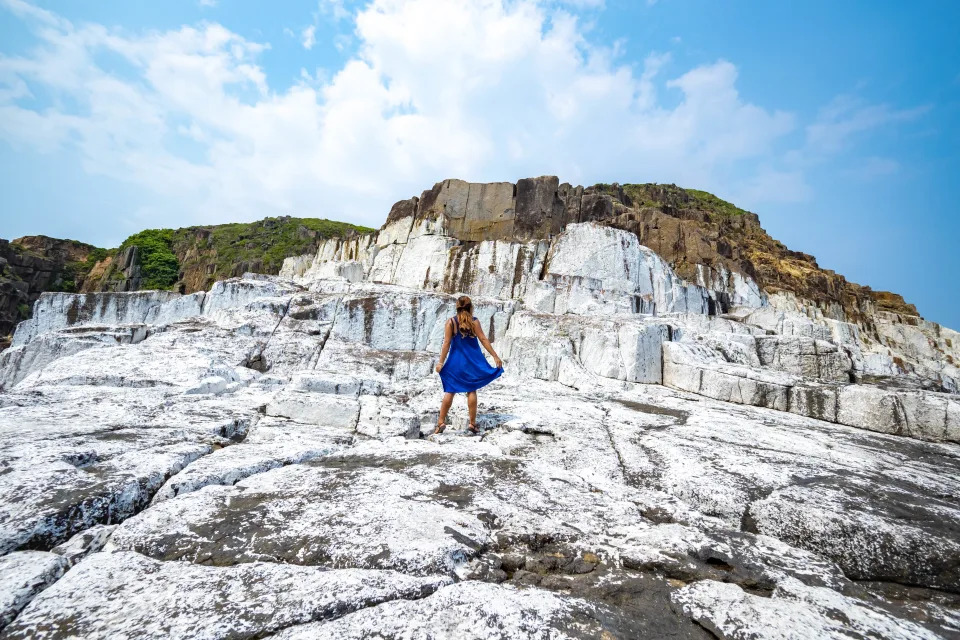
(193,258)
(187,260)
(690,229)
(34,264)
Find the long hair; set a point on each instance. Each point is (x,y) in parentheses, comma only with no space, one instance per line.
(465,316)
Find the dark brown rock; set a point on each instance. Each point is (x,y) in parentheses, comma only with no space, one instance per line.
(403,209)
(34,264)
(540,211)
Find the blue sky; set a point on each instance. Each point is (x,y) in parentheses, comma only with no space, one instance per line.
(838,123)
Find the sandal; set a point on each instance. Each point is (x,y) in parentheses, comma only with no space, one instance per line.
(440,427)
(473,429)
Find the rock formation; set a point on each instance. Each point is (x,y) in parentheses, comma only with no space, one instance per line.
(195,257)
(690,439)
(203,255)
(34,264)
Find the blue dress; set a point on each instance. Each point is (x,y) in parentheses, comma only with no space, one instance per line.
(466,369)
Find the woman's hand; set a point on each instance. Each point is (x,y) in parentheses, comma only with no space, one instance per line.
(498,362)
(438,367)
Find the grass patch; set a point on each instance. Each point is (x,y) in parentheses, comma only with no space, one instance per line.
(263,245)
(268,241)
(670,195)
(715,204)
(159,266)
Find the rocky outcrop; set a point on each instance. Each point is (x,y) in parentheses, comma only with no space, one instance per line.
(23,575)
(269,426)
(665,456)
(34,264)
(210,253)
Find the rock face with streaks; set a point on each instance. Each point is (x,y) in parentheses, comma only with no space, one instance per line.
(675,450)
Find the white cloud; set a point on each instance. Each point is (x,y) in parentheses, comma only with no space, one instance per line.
(308,37)
(483,90)
(208,3)
(846,116)
(341,41)
(770,185)
(583,4)
(334,8)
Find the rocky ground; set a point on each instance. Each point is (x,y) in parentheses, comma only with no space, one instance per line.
(670,454)
(257,462)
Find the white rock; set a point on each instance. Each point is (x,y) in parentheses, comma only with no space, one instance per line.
(794,611)
(125,595)
(54,311)
(23,575)
(468,610)
(316,408)
(84,543)
(270,444)
(383,418)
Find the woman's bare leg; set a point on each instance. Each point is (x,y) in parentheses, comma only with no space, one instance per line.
(472,405)
(445,407)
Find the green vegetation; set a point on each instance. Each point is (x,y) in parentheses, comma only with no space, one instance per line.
(715,204)
(206,254)
(657,195)
(23,310)
(670,195)
(159,266)
(265,242)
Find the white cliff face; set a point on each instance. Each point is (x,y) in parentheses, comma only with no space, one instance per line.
(661,458)
(589,269)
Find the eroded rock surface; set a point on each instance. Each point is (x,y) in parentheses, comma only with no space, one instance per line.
(662,458)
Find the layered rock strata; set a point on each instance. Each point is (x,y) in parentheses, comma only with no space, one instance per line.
(664,457)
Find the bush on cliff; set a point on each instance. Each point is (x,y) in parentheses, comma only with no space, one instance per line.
(159,266)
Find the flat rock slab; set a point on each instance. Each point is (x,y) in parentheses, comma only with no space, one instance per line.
(881,507)
(129,596)
(270,444)
(77,456)
(481,611)
(914,540)
(45,506)
(793,612)
(312,515)
(406,505)
(22,576)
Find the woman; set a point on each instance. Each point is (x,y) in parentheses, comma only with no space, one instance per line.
(466,370)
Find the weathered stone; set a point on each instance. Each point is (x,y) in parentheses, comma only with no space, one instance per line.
(270,423)
(476,610)
(316,408)
(125,595)
(793,610)
(84,543)
(540,211)
(23,575)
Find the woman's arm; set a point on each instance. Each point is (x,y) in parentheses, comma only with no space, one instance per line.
(477,329)
(447,335)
